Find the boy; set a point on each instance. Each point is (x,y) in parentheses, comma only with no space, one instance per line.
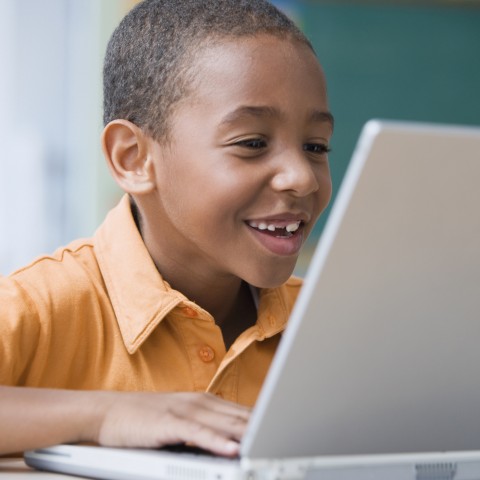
(217,128)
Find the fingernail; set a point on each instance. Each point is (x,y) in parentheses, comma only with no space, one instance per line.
(231,447)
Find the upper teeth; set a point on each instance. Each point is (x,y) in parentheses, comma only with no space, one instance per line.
(292,227)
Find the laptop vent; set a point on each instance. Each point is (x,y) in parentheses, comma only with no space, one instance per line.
(178,472)
(436,471)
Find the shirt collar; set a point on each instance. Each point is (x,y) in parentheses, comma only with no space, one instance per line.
(139,296)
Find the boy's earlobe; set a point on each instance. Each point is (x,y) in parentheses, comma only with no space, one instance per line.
(126,149)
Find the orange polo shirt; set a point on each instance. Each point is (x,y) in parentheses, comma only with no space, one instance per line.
(97,315)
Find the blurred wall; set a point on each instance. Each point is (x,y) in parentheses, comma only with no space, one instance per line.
(54,185)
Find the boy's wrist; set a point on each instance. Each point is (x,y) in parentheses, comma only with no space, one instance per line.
(95,405)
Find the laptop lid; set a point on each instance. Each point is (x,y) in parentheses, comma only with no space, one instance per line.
(381,353)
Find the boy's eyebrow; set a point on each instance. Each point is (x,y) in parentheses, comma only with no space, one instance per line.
(323,116)
(265,111)
(249,111)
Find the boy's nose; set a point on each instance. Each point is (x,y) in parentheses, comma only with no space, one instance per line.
(295,174)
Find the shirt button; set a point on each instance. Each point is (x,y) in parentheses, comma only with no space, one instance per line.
(206,354)
(189,312)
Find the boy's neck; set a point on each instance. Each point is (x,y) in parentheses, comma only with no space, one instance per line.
(232,306)
(242,315)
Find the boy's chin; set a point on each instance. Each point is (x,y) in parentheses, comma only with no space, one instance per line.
(271,278)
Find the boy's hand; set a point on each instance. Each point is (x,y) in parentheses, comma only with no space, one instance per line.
(38,417)
(158,419)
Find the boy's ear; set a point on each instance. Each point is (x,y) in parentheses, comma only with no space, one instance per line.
(126,149)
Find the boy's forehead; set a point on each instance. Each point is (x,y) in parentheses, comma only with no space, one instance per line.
(263,61)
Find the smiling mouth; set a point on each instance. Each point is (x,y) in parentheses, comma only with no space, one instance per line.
(277,230)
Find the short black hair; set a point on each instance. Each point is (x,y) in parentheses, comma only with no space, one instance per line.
(149,54)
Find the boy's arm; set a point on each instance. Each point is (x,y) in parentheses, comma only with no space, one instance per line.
(34,418)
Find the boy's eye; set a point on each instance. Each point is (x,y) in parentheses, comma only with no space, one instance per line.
(317,148)
(252,143)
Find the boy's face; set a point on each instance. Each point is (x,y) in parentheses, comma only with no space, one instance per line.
(245,174)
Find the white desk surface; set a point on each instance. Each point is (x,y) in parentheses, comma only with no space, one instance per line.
(15,469)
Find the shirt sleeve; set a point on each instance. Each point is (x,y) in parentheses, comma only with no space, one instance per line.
(19,331)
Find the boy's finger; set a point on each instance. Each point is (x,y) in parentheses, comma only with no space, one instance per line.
(226,424)
(228,407)
(203,436)
(202,404)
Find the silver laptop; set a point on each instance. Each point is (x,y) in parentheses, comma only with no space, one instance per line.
(378,373)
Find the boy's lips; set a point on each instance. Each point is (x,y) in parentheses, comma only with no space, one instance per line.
(281,235)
